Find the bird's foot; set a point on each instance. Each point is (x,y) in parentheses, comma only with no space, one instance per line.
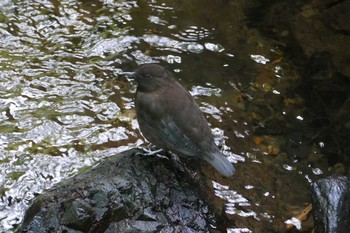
(149,152)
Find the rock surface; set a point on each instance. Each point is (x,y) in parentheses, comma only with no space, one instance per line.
(124,193)
(331,204)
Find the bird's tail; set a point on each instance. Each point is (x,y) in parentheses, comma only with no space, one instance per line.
(220,163)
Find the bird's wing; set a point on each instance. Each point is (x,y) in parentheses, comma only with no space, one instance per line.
(175,137)
(168,133)
(184,127)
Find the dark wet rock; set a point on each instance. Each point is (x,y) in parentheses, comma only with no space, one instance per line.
(124,193)
(331,204)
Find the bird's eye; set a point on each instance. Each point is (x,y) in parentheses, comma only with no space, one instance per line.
(147,75)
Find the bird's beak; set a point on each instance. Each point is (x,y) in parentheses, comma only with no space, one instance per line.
(129,74)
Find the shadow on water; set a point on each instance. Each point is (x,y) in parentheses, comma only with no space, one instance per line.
(63,110)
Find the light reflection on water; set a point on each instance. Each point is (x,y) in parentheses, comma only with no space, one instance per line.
(55,109)
(233,199)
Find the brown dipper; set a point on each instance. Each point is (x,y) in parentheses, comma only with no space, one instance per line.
(170,119)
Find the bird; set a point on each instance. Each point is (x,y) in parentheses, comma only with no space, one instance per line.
(170,119)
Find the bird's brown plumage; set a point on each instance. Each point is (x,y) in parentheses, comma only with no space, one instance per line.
(169,118)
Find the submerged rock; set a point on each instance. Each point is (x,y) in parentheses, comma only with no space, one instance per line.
(125,193)
(331,204)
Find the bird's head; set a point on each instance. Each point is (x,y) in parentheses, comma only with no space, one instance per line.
(150,77)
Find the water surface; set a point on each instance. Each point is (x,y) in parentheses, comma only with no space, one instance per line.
(64,107)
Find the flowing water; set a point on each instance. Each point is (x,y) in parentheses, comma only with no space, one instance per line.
(64,107)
